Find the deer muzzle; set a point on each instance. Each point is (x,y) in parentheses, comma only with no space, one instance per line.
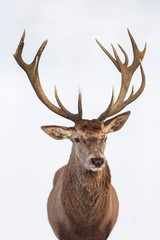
(96,161)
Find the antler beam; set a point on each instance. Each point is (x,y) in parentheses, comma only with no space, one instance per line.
(127,73)
(32,72)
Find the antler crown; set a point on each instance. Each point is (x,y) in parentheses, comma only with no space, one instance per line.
(114,106)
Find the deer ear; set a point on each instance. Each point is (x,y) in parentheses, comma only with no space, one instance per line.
(58,132)
(114,124)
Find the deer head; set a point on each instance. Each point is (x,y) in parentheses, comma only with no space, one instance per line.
(88,136)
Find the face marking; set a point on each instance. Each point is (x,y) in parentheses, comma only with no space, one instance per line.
(91,144)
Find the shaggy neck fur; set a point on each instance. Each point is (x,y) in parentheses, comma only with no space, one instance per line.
(85,194)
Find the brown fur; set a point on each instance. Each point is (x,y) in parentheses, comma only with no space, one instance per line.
(83,204)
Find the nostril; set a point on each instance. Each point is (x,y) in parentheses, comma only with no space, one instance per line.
(97,162)
(93,160)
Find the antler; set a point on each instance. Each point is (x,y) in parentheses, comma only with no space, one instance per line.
(127,72)
(32,72)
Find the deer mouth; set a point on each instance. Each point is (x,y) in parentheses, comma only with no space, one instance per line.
(97,169)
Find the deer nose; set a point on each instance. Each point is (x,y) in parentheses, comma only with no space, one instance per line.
(97,162)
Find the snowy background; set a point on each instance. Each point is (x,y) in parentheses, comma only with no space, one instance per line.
(72,58)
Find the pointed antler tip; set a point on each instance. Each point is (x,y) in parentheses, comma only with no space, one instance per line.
(128,31)
(43,45)
(45,42)
(98,42)
(130,35)
(23,35)
(55,90)
(20,46)
(80,91)
(114,50)
(145,47)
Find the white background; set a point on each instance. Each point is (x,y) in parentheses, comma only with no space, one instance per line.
(72,58)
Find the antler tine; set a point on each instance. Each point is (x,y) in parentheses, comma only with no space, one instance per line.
(32,72)
(127,73)
(64,109)
(80,103)
(133,95)
(125,55)
(59,102)
(138,55)
(109,55)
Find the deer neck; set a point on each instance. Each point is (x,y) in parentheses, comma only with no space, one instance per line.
(87,191)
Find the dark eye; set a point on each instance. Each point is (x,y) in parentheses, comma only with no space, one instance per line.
(77,140)
(105,139)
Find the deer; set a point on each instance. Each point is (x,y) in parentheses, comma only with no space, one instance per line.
(83,204)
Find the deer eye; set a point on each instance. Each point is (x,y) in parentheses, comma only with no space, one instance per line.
(105,139)
(76,140)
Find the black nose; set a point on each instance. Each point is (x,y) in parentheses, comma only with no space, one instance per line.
(97,162)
